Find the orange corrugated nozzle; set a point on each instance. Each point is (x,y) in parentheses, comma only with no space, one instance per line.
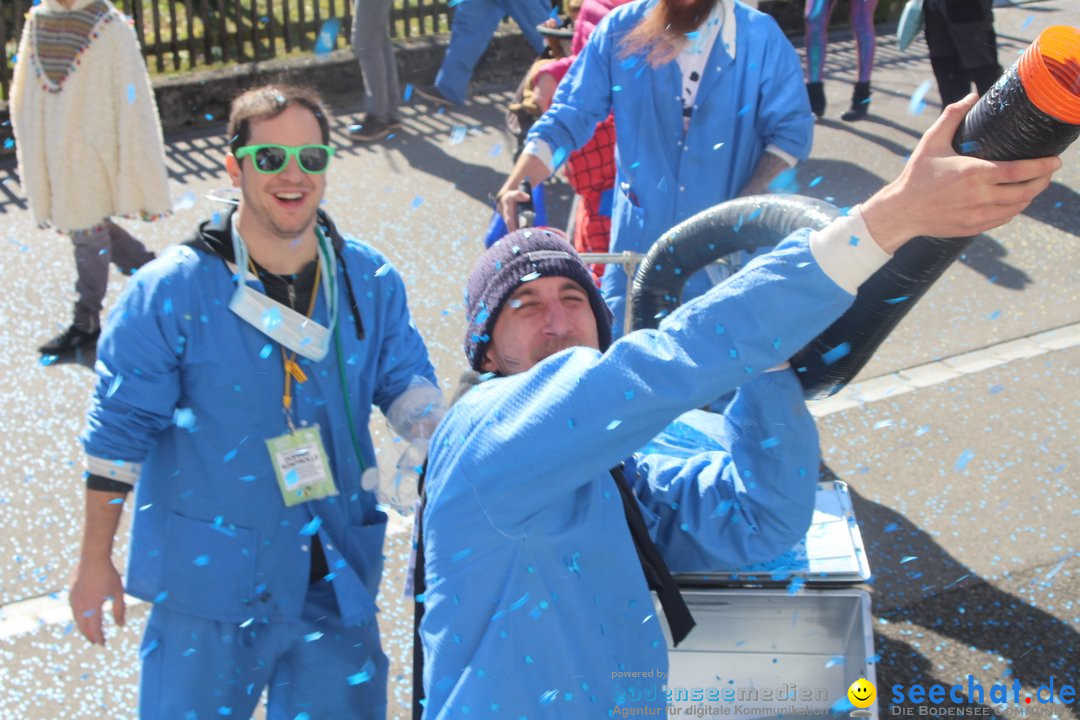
(1050,73)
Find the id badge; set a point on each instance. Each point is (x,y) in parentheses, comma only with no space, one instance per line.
(299,461)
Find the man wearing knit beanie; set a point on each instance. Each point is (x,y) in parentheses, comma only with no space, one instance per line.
(561,488)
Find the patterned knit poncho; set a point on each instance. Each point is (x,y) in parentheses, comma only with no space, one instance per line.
(86,128)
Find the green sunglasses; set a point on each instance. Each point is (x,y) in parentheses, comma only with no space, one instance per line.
(271,159)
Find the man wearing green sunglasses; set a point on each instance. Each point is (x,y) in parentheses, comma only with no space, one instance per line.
(236,380)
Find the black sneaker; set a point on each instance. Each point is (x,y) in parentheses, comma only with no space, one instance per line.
(371,128)
(69,341)
(431,93)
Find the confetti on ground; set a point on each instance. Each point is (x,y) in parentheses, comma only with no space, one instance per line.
(457,134)
(185,201)
(918,98)
(1027,22)
(963,460)
(417,202)
(496,150)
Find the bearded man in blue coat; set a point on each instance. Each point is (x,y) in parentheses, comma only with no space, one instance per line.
(547,518)
(236,377)
(709,104)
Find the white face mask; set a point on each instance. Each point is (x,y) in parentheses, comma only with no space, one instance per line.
(279,322)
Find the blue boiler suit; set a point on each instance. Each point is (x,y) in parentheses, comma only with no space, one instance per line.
(663,176)
(192,392)
(474,23)
(535,601)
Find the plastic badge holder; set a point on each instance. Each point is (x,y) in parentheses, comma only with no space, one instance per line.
(764,647)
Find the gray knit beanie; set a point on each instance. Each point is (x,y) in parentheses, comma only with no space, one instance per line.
(521,256)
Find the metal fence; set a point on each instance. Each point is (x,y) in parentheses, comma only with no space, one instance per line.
(181,35)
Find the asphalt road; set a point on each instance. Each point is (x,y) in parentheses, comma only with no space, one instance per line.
(966,486)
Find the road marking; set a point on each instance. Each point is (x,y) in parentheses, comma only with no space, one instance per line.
(946,369)
(24,616)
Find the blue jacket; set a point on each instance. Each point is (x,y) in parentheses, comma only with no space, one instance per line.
(743,105)
(535,596)
(212,536)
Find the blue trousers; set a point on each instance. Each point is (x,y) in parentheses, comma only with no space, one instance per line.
(196,669)
(474,23)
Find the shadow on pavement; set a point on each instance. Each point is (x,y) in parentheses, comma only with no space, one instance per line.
(985,256)
(916,581)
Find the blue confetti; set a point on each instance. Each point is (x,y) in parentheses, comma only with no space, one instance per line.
(327,36)
(969,147)
(185,201)
(202,560)
(117,501)
(743,110)
(9,143)
(131,93)
(266,350)
(312,526)
(918,98)
(769,442)
(854,241)
(613,424)
(271,319)
(496,150)
(461,554)
(231,454)
(417,202)
(407,95)
(836,353)
(834,661)
(166,306)
(616,88)
(795,586)
(184,418)
(995,315)
(530,277)
(717,146)
(364,675)
(558,157)
(383,269)
(457,134)
(114,385)
(908,558)
(549,697)
(816,181)
(963,460)
(1027,22)
(895,300)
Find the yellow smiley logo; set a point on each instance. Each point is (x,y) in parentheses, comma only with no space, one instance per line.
(861,693)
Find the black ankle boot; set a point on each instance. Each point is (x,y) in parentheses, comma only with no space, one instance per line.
(816,92)
(860,103)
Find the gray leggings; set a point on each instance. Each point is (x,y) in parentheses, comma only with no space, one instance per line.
(372,46)
(94,248)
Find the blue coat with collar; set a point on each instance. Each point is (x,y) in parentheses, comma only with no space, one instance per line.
(212,536)
(535,604)
(744,104)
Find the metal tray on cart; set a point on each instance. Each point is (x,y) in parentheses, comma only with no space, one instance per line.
(784,638)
